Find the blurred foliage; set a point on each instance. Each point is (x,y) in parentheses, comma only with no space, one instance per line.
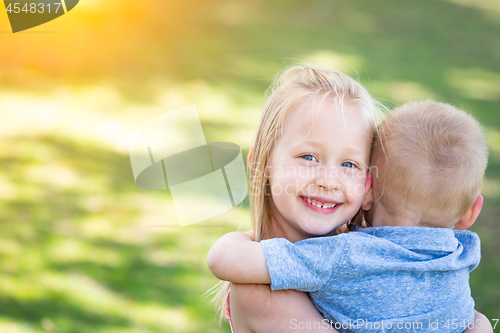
(82,248)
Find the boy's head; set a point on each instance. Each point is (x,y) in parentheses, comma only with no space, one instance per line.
(428,162)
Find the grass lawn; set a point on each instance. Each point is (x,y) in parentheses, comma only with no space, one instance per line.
(82,248)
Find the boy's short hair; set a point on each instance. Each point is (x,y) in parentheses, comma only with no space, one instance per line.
(428,160)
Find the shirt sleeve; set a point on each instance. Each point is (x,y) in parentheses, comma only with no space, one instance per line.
(305,265)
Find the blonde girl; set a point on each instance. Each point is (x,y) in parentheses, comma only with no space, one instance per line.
(327,116)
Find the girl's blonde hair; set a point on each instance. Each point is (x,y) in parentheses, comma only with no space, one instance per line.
(293,86)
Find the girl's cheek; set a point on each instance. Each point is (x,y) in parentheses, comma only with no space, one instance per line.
(357,186)
(297,173)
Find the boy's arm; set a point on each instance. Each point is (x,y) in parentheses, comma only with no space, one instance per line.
(236,258)
(305,265)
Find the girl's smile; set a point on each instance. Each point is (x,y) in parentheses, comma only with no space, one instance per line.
(319,204)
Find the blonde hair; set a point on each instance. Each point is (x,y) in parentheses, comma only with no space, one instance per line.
(429,160)
(293,86)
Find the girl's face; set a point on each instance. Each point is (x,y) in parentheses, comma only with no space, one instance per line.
(317,170)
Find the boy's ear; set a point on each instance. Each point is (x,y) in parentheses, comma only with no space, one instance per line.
(471,214)
(368,201)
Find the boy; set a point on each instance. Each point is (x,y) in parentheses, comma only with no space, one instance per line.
(410,271)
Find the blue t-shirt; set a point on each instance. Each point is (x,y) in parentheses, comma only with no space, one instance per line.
(383,279)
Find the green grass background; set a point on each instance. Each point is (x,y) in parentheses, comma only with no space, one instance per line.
(82,248)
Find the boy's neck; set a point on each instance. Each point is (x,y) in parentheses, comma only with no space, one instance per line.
(379,217)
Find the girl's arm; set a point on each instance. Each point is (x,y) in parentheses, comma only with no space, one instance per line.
(257,309)
(236,258)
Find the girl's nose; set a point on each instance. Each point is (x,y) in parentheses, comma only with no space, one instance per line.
(328,179)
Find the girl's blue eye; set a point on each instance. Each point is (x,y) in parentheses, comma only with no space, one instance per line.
(349,165)
(309,157)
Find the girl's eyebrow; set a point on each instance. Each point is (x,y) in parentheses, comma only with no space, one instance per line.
(319,144)
(356,151)
(308,143)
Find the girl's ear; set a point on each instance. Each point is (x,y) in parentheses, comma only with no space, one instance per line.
(471,215)
(249,157)
(368,201)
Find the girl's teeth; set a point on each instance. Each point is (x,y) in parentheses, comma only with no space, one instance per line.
(320,205)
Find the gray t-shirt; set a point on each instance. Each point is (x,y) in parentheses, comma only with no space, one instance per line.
(383,279)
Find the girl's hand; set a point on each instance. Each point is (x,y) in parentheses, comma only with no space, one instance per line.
(481,324)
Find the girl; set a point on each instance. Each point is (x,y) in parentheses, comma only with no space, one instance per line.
(308,170)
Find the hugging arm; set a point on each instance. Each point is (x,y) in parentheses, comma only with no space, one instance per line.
(257,309)
(235,257)
(305,265)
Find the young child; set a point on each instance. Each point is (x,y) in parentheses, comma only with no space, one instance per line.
(312,144)
(410,271)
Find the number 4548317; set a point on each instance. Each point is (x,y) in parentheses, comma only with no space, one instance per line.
(32,8)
